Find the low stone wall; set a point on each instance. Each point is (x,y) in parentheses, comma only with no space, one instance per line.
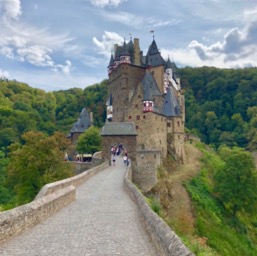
(79,167)
(75,181)
(164,238)
(15,221)
(51,198)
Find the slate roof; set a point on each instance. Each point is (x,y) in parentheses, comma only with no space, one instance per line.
(150,87)
(111,63)
(153,57)
(82,123)
(172,65)
(170,105)
(118,52)
(118,128)
(124,49)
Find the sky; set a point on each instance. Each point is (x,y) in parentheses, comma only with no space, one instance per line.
(62,44)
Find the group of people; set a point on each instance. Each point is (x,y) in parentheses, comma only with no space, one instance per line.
(116,151)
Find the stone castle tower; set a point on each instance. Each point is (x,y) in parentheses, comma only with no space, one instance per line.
(144,90)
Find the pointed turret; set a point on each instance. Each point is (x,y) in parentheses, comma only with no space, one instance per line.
(131,51)
(124,56)
(84,121)
(150,89)
(111,65)
(153,57)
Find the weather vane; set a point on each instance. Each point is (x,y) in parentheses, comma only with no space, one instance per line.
(152,31)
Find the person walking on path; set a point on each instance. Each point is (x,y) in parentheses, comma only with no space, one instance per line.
(113,160)
(125,159)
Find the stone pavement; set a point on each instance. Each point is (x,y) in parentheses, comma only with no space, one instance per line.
(102,221)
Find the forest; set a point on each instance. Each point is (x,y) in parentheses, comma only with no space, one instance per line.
(221,105)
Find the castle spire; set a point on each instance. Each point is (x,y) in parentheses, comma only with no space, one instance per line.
(125,56)
(111,64)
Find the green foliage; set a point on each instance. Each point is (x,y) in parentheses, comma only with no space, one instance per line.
(236,181)
(155,205)
(26,109)
(225,234)
(38,162)
(90,141)
(218,103)
(5,193)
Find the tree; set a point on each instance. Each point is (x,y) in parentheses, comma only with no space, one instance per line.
(236,181)
(90,141)
(38,162)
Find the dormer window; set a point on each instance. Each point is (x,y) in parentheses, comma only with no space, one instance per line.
(148,106)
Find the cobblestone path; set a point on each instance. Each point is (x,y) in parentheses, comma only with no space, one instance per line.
(102,221)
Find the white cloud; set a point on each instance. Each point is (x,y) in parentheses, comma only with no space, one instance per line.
(4,74)
(36,55)
(103,3)
(249,15)
(7,52)
(11,8)
(25,43)
(239,48)
(107,43)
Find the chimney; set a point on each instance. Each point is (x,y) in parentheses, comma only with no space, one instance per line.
(137,52)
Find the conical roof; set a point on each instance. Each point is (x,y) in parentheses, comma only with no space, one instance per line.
(111,63)
(170,105)
(82,123)
(150,87)
(153,57)
(124,49)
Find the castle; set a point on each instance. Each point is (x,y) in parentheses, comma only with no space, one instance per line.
(145,100)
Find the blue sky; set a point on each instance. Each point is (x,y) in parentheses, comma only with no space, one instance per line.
(61,44)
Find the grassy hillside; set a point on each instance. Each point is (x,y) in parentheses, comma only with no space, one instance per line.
(184,197)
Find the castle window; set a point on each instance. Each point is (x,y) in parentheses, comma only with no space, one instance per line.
(129,117)
(138,117)
(179,137)
(178,123)
(168,125)
(137,127)
(136,106)
(143,116)
(139,96)
(160,142)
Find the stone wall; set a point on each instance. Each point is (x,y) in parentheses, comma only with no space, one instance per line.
(15,221)
(75,181)
(79,167)
(167,242)
(51,198)
(144,173)
(150,127)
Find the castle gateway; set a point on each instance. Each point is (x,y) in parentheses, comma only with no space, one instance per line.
(145,90)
